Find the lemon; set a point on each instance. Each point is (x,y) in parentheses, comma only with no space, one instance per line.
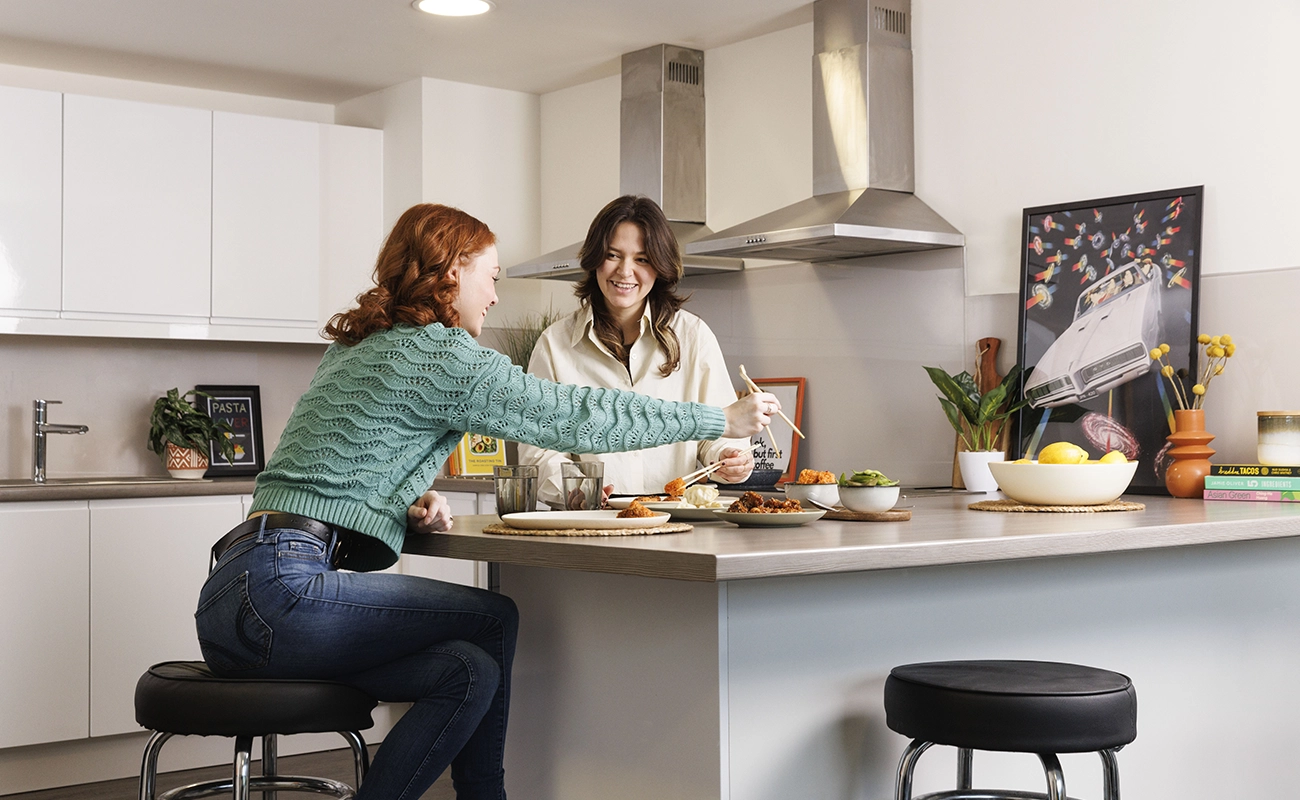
(1113,457)
(1062,453)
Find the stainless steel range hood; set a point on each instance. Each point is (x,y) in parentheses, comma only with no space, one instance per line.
(863,160)
(661,155)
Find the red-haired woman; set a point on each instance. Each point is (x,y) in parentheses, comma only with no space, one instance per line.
(631,332)
(294,592)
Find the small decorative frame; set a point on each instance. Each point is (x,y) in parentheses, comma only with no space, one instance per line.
(770,470)
(241,406)
(1103,282)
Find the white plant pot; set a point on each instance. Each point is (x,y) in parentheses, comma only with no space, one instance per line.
(974,467)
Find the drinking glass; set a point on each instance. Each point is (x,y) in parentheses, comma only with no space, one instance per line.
(516,488)
(584,488)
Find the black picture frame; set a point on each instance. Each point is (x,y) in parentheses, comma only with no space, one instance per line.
(1102,282)
(241,406)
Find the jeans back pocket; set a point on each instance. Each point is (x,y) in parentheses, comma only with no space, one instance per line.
(232,635)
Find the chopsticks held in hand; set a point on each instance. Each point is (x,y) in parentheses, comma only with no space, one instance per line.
(704,472)
(753,387)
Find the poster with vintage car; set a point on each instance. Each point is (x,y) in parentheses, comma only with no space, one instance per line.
(1102,283)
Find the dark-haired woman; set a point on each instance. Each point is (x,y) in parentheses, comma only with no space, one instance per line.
(294,594)
(632,333)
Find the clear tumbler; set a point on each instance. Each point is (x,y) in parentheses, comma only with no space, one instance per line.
(516,488)
(584,485)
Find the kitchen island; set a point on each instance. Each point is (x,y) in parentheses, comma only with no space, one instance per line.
(747,664)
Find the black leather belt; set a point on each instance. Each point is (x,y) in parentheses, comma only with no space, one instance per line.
(250,528)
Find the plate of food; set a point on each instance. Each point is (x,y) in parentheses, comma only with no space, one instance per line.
(696,504)
(579,520)
(752,510)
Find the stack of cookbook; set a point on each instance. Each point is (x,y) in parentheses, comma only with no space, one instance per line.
(1253,482)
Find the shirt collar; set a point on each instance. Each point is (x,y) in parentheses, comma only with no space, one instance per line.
(586,320)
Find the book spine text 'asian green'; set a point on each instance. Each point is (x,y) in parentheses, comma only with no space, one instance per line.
(1252,496)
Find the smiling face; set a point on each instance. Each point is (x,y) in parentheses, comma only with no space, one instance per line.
(625,276)
(478,291)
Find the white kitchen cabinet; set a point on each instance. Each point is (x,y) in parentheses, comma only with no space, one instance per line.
(148,560)
(44,630)
(31,192)
(352,214)
(266,220)
(137,209)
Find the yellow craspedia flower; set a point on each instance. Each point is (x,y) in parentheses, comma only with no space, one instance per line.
(1167,371)
(1204,338)
(1155,353)
(1225,339)
(1198,389)
(1215,351)
(1216,341)
(1164,348)
(1229,349)
(1218,369)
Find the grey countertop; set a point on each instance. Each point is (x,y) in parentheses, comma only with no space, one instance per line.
(943,530)
(107,488)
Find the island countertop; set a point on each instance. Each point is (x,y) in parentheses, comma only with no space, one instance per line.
(943,530)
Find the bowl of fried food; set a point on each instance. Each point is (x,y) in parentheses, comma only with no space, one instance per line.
(868,490)
(814,485)
(1065,476)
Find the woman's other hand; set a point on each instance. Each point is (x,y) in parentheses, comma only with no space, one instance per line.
(430,513)
(737,466)
(749,414)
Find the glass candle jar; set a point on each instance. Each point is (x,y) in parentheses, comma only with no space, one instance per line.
(1279,438)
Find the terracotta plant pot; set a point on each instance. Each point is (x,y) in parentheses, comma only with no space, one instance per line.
(184,462)
(1185,476)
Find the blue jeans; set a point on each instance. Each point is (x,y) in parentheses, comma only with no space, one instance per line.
(273,607)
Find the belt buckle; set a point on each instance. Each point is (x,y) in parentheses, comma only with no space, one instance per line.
(340,547)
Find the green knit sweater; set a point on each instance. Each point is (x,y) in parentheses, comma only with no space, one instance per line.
(381,417)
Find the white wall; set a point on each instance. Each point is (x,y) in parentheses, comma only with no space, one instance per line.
(578,177)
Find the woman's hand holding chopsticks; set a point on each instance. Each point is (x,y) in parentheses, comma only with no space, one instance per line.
(750,414)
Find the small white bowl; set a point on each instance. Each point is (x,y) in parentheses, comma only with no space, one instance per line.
(872,499)
(1063,484)
(826,493)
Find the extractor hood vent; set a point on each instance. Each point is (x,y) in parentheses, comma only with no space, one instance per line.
(863,162)
(661,156)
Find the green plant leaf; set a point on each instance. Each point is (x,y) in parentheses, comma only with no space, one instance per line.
(174,419)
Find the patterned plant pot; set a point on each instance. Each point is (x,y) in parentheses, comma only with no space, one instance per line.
(183,462)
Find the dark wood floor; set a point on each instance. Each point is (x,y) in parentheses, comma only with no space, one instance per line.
(336,764)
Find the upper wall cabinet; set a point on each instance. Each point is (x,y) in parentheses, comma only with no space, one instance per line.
(266,219)
(137,209)
(352,213)
(31,176)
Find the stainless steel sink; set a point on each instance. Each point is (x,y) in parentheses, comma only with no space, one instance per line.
(120,481)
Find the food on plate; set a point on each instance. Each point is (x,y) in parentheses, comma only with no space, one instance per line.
(651,498)
(675,487)
(866,477)
(702,497)
(753,503)
(815,476)
(635,509)
(1062,453)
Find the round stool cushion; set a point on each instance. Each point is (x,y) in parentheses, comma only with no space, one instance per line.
(1015,706)
(184,697)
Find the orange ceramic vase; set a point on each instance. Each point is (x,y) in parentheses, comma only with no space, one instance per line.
(1185,476)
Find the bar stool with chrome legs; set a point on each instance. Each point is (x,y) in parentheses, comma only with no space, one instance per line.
(185,698)
(1010,706)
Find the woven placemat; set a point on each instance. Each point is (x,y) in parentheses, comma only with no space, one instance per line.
(893,515)
(1016,505)
(667,527)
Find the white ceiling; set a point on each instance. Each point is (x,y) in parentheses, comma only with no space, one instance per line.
(333,50)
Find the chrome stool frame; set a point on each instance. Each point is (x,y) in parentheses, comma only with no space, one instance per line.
(965,767)
(241,783)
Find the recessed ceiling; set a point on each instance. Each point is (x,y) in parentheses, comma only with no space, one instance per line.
(333,50)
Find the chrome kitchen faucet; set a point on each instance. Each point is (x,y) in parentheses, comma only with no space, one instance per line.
(40,411)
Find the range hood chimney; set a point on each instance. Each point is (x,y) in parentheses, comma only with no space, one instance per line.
(661,155)
(863,162)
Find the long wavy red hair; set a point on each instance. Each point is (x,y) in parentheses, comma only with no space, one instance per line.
(413,280)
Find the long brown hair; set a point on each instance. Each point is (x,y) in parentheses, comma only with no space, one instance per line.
(665,258)
(413,280)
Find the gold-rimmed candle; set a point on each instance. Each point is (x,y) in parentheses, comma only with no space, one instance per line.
(1279,438)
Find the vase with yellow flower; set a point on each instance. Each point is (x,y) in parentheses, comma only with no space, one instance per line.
(1190,454)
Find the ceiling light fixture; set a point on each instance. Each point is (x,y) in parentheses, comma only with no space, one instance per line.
(453,8)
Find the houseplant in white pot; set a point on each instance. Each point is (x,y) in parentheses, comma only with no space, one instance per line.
(978,419)
(180,433)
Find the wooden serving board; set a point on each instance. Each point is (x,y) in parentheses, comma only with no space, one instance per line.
(894,515)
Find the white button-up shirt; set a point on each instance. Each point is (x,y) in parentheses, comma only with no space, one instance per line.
(569,352)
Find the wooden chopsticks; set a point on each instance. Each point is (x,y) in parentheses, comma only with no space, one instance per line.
(704,472)
(753,387)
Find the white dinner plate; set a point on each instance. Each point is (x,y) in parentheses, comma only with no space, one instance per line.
(621,503)
(594,520)
(787,520)
(685,513)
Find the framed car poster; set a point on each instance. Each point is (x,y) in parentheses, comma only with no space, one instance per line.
(241,406)
(1102,283)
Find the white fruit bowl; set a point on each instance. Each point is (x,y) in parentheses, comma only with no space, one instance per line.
(1062,484)
(825,493)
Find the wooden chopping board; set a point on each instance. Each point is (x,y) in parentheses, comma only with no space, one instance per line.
(893,515)
(986,377)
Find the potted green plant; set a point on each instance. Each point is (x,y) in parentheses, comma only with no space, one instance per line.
(979,418)
(179,432)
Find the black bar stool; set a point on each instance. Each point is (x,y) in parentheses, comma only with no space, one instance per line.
(185,698)
(1010,706)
